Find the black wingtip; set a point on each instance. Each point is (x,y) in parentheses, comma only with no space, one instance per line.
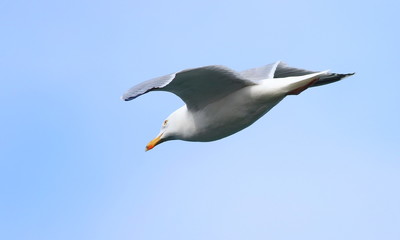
(334,77)
(123,98)
(343,75)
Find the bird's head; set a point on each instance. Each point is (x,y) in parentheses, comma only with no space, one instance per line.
(161,137)
(172,128)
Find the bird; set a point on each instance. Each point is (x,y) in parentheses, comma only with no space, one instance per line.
(220,101)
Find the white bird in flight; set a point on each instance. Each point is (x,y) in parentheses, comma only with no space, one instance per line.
(221,102)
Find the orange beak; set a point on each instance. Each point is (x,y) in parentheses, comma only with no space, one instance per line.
(153,142)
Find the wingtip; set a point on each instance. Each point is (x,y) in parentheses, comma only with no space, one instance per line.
(123,98)
(348,74)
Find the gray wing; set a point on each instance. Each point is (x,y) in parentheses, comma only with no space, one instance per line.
(273,70)
(260,73)
(283,70)
(196,87)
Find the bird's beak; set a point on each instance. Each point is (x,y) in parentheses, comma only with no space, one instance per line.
(154,142)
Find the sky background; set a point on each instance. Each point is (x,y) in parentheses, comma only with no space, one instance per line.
(321,165)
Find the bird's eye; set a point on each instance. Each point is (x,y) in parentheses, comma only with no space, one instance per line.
(165,123)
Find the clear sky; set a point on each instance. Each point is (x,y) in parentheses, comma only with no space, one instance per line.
(321,165)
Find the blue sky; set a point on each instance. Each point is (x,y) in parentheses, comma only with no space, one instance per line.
(321,165)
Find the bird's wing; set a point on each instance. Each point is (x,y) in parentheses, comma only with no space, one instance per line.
(197,87)
(283,70)
(273,70)
(260,73)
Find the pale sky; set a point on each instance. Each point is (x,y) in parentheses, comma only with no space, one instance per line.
(321,165)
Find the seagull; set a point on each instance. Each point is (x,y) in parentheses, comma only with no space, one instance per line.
(220,102)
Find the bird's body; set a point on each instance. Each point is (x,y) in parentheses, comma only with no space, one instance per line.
(220,102)
(228,115)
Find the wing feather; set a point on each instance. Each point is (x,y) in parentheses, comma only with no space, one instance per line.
(147,86)
(197,87)
(260,73)
(283,70)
